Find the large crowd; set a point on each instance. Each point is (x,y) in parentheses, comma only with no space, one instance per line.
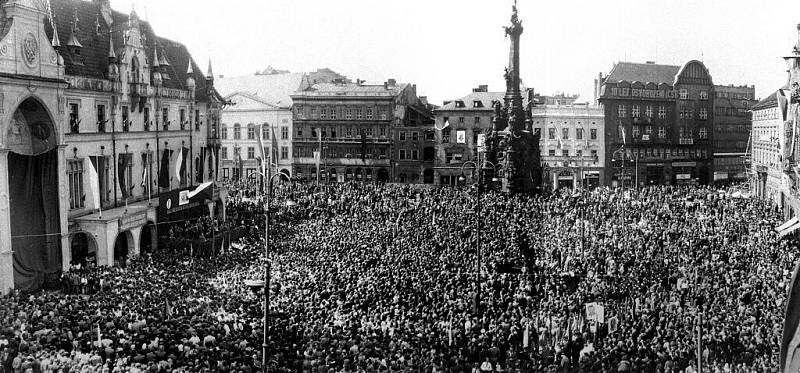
(386,278)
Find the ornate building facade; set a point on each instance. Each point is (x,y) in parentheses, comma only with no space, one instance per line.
(659,121)
(95,107)
(731,136)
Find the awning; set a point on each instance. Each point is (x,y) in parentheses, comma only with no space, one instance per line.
(787,224)
(789,230)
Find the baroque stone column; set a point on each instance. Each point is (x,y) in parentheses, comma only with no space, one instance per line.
(6,254)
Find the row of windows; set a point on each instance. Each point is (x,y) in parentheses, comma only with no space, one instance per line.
(765,114)
(578,153)
(683,94)
(622,111)
(251,152)
(341,152)
(251,132)
(565,132)
(414,135)
(334,132)
(664,153)
(342,112)
(75,172)
(102,124)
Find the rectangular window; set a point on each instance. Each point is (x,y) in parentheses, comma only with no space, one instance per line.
(182,116)
(359,114)
(224,151)
(126,125)
(565,133)
(579,133)
(446,135)
(165,118)
(648,130)
(635,111)
(101,118)
(703,95)
(477,120)
(430,136)
(621,111)
(402,136)
(223,134)
(703,113)
(648,111)
(323,113)
(551,152)
(237,131)
(333,112)
(594,155)
(299,132)
(369,113)
(662,112)
(348,132)
(551,133)
(75,176)
(684,94)
(128,174)
(348,114)
(593,134)
(284,133)
(414,155)
(284,152)
(414,136)
(251,132)
(74,119)
(147,119)
(565,152)
(197,121)
(635,132)
(251,152)
(401,154)
(579,153)
(461,120)
(703,133)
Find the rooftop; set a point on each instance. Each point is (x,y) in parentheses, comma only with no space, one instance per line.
(643,72)
(354,90)
(483,100)
(274,88)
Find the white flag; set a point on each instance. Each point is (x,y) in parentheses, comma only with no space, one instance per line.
(93,187)
(178,163)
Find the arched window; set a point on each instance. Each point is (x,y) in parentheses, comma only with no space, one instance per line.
(223,134)
(135,74)
(237,131)
(251,131)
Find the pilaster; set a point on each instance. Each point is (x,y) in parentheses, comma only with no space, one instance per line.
(63,208)
(6,253)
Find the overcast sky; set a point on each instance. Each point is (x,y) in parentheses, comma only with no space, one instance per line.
(446,47)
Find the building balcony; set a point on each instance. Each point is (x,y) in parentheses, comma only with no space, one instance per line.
(139,89)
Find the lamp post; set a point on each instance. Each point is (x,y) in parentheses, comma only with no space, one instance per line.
(477,222)
(267,267)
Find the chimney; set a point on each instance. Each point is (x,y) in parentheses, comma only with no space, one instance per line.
(597,84)
(391,82)
(651,62)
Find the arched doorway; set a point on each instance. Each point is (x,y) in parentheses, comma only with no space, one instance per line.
(285,172)
(147,239)
(383,175)
(123,245)
(83,249)
(34,196)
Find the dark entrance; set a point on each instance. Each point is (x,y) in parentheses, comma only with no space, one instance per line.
(33,195)
(383,175)
(147,238)
(83,250)
(427,176)
(121,249)
(655,175)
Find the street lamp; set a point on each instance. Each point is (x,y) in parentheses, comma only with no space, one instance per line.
(267,268)
(461,178)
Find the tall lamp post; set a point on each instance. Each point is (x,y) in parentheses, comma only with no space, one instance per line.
(461,178)
(267,267)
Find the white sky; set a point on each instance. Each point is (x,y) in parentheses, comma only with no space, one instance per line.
(447,47)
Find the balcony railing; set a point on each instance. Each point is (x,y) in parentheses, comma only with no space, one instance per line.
(139,89)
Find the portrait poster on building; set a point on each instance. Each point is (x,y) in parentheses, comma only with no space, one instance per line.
(461,137)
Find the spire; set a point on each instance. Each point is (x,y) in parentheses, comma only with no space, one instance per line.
(112,56)
(190,70)
(210,74)
(55,42)
(73,38)
(155,55)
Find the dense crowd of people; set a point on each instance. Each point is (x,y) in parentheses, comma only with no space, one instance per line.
(385,278)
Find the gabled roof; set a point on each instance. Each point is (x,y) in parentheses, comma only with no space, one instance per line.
(351,89)
(643,72)
(274,89)
(93,33)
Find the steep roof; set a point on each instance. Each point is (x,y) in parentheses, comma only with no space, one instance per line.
(643,72)
(93,33)
(274,89)
(767,102)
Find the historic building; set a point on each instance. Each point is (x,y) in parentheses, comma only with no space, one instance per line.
(459,124)
(732,131)
(258,101)
(100,116)
(414,144)
(572,144)
(658,124)
(343,131)
(769,182)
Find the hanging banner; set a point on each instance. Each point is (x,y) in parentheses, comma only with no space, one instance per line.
(461,137)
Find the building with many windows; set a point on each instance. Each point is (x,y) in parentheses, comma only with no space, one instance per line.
(258,101)
(659,124)
(732,131)
(769,182)
(459,124)
(572,143)
(101,116)
(343,131)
